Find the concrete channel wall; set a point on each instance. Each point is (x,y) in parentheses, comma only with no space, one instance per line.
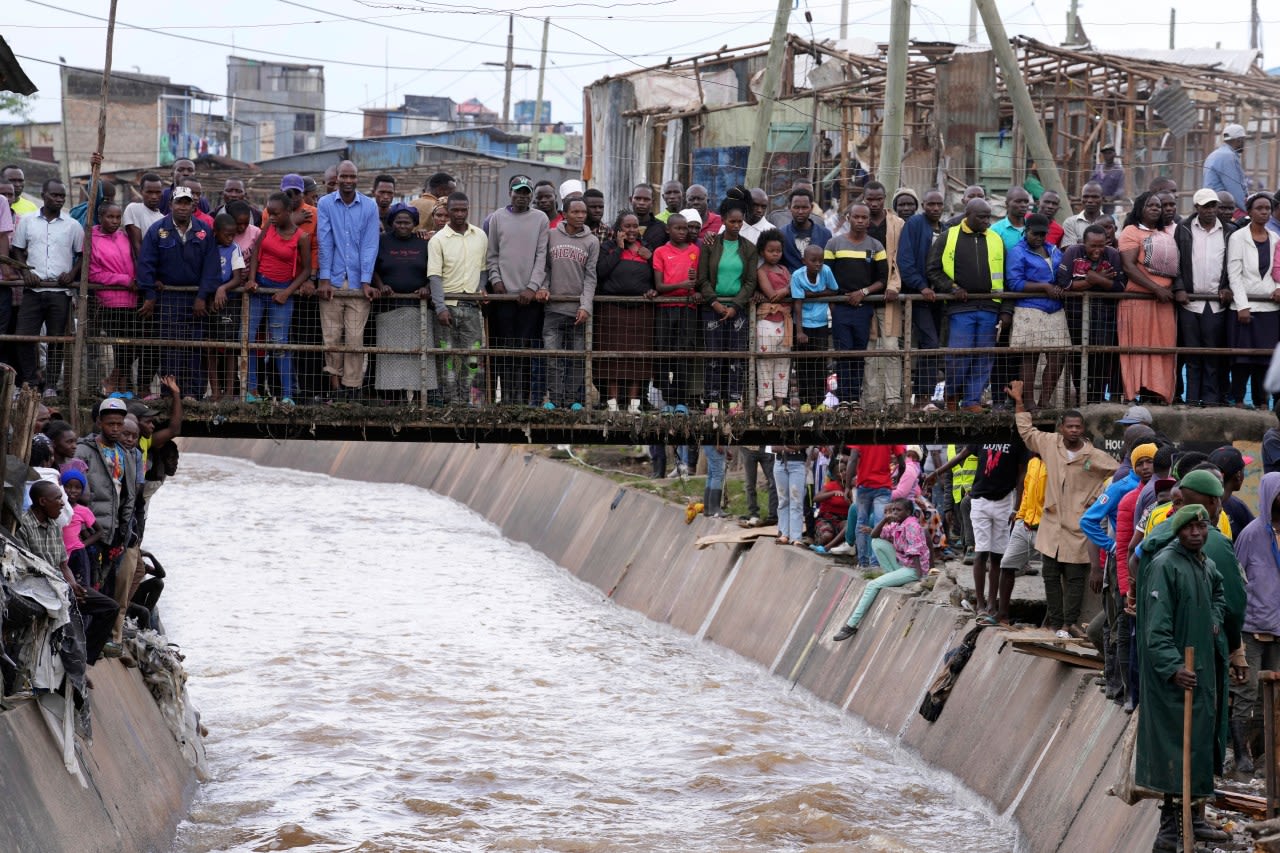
(139,783)
(1032,736)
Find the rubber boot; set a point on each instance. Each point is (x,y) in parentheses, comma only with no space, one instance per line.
(711,506)
(1240,746)
(1169,836)
(1205,831)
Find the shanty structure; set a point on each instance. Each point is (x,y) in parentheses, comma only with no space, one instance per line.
(692,119)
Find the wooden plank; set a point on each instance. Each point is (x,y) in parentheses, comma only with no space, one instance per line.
(1058,654)
(1254,807)
(742,536)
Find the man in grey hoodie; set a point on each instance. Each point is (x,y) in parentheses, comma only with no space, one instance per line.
(517,264)
(572,253)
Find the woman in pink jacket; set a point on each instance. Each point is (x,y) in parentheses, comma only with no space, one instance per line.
(114,310)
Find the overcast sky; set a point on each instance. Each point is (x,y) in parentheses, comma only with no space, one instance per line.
(438,48)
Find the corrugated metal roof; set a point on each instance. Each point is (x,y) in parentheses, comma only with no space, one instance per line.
(1235,61)
(12,77)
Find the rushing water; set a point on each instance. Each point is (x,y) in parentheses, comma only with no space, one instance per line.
(381,671)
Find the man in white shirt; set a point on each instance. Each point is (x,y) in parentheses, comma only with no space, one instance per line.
(50,242)
(139,216)
(1091,211)
(1202,249)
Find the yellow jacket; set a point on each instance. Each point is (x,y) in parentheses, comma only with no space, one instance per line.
(1032,506)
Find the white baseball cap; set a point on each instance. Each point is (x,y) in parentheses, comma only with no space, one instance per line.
(1233,131)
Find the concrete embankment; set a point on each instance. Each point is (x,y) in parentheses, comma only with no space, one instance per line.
(139,783)
(1032,736)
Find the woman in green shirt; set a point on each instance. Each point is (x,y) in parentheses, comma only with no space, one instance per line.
(726,282)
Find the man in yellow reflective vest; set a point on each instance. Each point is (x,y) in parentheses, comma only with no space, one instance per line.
(968,263)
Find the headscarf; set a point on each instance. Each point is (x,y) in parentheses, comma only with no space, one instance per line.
(1145,451)
(1188,514)
(400,207)
(1203,482)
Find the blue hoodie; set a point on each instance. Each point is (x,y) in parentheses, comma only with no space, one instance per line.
(1104,509)
(1256,551)
(913,252)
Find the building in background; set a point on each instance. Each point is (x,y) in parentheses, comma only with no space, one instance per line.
(36,140)
(150,121)
(277,108)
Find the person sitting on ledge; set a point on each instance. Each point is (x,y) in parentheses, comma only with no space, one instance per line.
(903,552)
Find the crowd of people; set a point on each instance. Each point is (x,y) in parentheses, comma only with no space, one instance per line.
(1160,534)
(819,298)
(85,515)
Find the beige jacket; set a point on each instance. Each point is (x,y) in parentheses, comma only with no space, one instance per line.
(1071,485)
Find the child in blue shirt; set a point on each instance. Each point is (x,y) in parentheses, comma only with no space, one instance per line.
(811,322)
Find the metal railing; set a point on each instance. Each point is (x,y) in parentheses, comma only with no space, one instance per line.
(95,354)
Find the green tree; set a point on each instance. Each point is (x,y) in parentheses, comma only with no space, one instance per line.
(14,109)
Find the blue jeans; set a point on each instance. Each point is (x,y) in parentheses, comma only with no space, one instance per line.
(850,330)
(279,317)
(869,505)
(722,377)
(715,466)
(790,481)
(564,375)
(967,375)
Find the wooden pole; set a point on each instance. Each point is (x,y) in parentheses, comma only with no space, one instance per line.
(1028,118)
(1188,835)
(895,95)
(768,94)
(537,105)
(79,348)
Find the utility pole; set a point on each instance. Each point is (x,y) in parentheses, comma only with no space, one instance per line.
(1173,22)
(1028,119)
(537,106)
(509,65)
(768,93)
(1255,24)
(1073,21)
(844,19)
(973,21)
(895,93)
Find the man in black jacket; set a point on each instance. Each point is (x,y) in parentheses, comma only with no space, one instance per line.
(1202,323)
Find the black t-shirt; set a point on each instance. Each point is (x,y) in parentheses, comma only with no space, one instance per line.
(402,264)
(880,232)
(998,466)
(1237,513)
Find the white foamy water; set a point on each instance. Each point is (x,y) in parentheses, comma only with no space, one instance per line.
(381,671)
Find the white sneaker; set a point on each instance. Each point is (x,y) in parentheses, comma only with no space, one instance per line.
(634,408)
(842,548)
(1063,635)
(611,404)
(682,471)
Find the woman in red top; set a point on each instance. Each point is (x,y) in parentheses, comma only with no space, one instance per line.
(281,261)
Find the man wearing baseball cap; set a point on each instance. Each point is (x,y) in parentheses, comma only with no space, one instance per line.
(1223,169)
(1202,251)
(1136,415)
(179,252)
(517,264)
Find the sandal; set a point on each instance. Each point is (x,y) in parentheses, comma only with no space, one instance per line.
(987,619)
(783,540)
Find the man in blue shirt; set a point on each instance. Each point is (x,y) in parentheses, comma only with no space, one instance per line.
(179,252)
(1222,168)
(348,238)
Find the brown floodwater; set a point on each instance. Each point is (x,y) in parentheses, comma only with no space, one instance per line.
(381,671)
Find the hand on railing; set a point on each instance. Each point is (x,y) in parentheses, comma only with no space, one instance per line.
(324,290)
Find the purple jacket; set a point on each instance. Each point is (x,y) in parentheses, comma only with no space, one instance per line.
(1257,554)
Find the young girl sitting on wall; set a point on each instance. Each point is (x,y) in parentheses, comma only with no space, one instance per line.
(902,550)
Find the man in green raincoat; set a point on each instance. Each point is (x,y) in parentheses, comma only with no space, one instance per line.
(1180,604)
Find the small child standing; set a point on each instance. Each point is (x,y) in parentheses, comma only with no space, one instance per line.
(78,533)
(773,322)
(903,553)
(224,314)
(812,321)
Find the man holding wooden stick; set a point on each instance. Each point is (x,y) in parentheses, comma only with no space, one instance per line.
(1180,607)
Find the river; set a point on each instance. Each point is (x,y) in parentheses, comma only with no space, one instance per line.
(381,671)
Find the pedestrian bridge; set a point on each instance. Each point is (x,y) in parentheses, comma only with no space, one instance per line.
(620,350)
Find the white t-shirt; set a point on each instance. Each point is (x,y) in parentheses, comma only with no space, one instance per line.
(140,216)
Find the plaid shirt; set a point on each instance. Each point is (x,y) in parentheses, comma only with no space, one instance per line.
(42,538)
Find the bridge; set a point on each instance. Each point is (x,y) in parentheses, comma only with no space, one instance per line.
(106,351)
